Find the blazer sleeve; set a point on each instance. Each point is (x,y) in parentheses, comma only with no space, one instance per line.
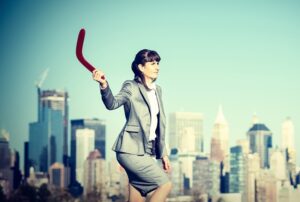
(113,102)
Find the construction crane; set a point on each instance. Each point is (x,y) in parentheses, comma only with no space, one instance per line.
(38,85)
(42,78)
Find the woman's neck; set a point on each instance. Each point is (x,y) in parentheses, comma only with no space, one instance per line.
(149,82)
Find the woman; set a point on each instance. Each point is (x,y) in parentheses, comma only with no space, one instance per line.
(143,135)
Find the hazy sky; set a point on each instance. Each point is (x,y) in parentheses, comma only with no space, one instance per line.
(244,56)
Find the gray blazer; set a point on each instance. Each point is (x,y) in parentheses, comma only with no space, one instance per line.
(135,133)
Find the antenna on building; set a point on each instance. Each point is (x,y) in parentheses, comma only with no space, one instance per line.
(42,78)
(255,119)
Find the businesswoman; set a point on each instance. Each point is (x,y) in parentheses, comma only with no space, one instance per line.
(143,135)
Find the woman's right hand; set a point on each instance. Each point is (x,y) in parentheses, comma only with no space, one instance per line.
(100,77)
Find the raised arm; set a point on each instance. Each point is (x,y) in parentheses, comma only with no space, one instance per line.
(110,101)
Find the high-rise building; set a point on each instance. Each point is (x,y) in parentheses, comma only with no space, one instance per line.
(6,174)
(4,150)
(187,160)
(219,142)
(277,164)
(17,175)
(48,137)
(206,176)
(85,139)
(237,170)
(57,175)
(288,135)
(26,159)
(99,128)
(266,187)
(95,174)
(244,143)
(288,146)
(260,139)
(118,186)
(176,175)
(186,128)
(252,171)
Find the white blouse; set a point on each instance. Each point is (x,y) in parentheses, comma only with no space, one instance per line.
(154,109)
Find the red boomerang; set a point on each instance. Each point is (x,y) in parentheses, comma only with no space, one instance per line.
(79,54)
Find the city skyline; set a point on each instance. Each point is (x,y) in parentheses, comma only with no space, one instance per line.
(211,54)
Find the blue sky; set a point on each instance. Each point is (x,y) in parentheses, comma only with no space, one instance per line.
(243,55)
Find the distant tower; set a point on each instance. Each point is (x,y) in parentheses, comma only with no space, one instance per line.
(6,174)
(95,175)
(99,128)
(4,150)
(85,139)
(17,175)
(237,172)
(252,171)
(57,175)
(10,174)
(288,146)
(184,127)
(48,137)
(206,176)
(219,142)
(288,139)
(26,160)
(176,175)
(260,140)
(277,165)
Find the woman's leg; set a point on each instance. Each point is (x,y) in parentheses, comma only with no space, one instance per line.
(161,193)
(135,195)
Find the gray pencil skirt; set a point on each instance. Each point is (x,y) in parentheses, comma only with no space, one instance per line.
(144,172)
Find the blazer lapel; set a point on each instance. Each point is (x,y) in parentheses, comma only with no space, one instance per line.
(158,96)
(144,94)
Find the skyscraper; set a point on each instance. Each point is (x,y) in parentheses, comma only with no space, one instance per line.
(176,175)
(187,160)
(17,175)
(219,142)
(85,139)
(288,135)
(206,176)
(277,163)
(288,146)
(260,139)
(57,175)
(95,174)
(185,126)
(237,170)
(6,174)
(48,137)
(252,171)
(266,187)
(99,128)
(4,150)
(26,160)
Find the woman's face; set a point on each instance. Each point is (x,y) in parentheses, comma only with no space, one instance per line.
(150,70)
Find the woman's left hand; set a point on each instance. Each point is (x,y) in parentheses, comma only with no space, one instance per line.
(166,164)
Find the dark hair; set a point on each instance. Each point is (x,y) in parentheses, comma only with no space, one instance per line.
(142,57)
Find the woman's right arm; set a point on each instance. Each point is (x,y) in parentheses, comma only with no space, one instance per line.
(110,101)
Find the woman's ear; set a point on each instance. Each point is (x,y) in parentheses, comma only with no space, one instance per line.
(141,67)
